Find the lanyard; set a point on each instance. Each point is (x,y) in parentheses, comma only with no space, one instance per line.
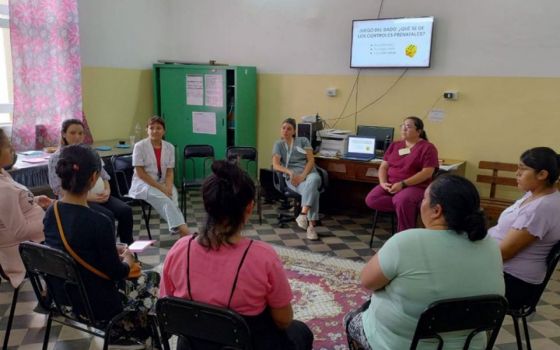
(289,151)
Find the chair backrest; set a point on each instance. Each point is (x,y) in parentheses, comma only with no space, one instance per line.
(202,322)
(495,179)
(122,173)
(477,314)
(198,156)
(551,263)
(246,157)
(46,265)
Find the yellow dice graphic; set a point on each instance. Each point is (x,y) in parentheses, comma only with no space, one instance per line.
(410,50)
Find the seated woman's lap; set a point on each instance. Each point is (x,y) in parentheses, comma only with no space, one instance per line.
(167,207)
(404,203)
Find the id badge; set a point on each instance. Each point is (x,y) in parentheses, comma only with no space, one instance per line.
(301,150)
(404,151)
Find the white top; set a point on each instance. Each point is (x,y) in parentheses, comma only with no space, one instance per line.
(144,155)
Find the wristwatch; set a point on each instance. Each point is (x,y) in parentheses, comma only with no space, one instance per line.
(403,184)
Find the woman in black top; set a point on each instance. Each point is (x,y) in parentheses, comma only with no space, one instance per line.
(90,235)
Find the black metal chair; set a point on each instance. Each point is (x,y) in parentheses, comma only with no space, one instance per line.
(46,265)
(290,195)
(477,314)
(531,306)
(247,158)
(12,308)
(201,325)
(122,171)
(376,213)
(197,156)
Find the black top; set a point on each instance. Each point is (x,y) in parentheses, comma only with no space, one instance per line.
(91,236)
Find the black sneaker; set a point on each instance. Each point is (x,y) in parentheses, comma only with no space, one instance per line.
(127,344)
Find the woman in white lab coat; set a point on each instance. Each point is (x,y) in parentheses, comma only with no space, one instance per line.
(154,160)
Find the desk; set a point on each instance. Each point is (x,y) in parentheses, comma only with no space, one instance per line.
(32,170)
(350,181)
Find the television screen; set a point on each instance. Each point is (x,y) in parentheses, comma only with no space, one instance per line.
(391,42)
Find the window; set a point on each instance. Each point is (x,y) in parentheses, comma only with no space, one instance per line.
(6,80)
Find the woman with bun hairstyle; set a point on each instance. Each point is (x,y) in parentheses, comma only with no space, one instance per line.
(21,216)
(153,159)
(99,199)
(73,227)
(221,267)
(527,230)
(419,266)
(406,170)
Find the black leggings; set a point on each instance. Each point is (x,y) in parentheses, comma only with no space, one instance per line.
(518,292)
(114,208)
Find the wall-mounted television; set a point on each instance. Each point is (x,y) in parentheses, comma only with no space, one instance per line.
(391,42)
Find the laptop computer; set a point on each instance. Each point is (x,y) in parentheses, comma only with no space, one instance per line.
(360,148)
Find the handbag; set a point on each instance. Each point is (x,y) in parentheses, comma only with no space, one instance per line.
(135,269)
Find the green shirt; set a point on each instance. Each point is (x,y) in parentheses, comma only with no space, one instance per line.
(426,266)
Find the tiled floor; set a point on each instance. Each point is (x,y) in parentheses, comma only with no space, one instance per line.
(345,236)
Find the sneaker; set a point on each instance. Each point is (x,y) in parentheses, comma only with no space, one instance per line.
(302,221)
(126,344)
(311,233)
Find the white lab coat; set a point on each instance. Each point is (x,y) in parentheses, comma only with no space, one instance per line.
(143,155)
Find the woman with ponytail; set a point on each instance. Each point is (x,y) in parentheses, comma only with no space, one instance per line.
(406,170)
(88,236)
(419,266)
(527,230)
(221,267)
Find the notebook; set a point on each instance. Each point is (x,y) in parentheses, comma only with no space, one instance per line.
(360,148)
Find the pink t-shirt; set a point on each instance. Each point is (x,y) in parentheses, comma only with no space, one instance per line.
(422,155)
(540,217)
(262,280)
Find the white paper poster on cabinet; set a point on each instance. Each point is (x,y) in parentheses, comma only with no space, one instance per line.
(204,123)
(195,90)
(214,86)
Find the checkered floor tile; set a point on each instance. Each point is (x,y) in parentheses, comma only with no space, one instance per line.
(346,235)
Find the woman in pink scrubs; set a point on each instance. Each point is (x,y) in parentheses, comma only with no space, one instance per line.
(405,172)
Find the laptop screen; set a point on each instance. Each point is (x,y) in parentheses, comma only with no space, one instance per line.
(361,145)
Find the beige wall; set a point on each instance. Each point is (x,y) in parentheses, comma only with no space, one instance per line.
(495,118)
(115,100)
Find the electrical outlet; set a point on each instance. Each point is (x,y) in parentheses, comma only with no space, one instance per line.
(451,95)
(331,92)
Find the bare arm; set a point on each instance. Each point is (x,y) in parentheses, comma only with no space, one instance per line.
(282,316)
(514,242)
(169,182)
(372,277)
(276,165)
(382,175)
(299,178)
(419,177)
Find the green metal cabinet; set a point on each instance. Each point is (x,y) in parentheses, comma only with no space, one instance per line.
(204,104)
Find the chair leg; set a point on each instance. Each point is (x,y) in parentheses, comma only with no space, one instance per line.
(259,204)
(393,223)
(373,228)
(47,331)
(517,333)
(526,330)
(10,318)
(146,217)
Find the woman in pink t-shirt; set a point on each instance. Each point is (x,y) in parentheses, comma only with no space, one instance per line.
(404,174)
(529,228)
(221,267)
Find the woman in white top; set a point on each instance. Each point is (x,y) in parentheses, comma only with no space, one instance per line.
(154,161)
(99,198)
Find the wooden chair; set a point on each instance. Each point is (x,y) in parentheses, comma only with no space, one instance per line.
(492,205)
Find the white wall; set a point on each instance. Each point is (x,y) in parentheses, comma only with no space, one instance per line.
(123,33)
(472,38)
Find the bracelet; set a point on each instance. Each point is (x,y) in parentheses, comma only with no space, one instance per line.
(403,184)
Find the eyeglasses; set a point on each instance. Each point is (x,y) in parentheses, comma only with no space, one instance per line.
(406,126)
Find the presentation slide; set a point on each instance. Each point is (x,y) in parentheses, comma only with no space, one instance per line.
(361,145)
(399,42)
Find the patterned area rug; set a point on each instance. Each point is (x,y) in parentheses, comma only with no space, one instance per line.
(325,289)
